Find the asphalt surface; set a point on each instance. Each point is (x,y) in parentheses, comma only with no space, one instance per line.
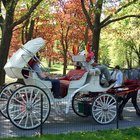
(63,123)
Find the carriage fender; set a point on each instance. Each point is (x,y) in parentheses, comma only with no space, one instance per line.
(70,96)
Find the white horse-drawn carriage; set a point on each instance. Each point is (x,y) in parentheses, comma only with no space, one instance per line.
(22,103)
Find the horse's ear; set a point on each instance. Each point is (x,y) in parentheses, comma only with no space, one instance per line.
(74,49)
(88,47)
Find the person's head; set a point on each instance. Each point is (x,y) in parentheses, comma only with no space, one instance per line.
(90,56)
(117,67)
(78,65)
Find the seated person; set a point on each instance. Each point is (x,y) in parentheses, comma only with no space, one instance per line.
(34,64)
(75,74)
(118,76)
(90,63)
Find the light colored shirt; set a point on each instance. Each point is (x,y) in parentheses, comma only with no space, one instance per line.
(41,74)
(118,76)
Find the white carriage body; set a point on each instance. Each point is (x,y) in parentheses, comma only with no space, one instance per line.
(89,82)
(19,61)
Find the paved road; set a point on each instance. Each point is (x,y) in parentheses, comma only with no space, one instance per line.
(63,123)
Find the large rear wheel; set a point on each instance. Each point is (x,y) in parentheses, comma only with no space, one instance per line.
(24,107)
(5,93)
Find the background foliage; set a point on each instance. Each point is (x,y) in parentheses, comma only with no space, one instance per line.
(112,27)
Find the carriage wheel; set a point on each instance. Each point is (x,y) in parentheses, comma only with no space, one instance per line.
(5,93)
(77,103)
(138,103)
(24,107)
(104,109)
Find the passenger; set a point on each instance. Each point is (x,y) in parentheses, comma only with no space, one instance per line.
(35,65)
(90,63)
(74,74)
(118,76)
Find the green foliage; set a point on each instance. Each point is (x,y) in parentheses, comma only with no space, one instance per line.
(122,40)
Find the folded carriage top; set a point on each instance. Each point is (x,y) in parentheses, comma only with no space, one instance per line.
(21,57)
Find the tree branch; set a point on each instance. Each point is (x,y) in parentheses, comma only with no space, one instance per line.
(1,17)
(121,18)
(27,15)
(86,14)
(116,12)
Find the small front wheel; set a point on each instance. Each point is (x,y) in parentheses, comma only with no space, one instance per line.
(104,109)
(24,107)
(81,103)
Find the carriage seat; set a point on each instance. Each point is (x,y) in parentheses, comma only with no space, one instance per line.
(72,81)
(79,82)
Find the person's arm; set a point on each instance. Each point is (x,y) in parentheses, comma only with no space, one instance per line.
(121,78)
(62,78)
(44,74)
(39,72)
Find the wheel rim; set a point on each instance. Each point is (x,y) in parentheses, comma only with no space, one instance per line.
(79,98)
(138,99)
(24,107)
(104,109)
(6,92)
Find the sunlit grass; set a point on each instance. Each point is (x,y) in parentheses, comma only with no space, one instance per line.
(120,134)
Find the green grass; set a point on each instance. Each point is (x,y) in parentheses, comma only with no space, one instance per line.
(120,134)
(58,68)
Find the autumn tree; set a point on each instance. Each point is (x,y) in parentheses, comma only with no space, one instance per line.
(7,25)
(71,29)
(105,13)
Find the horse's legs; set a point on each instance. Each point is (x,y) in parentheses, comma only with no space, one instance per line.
(134,102)
(122,105)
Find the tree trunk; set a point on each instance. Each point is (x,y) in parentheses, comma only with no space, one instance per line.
(7,28)
(95,42)
(49,63)
(4,50)
(65,64)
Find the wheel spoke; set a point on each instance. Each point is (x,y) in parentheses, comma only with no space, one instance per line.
(23,117)
(100,115)
(19,115)
(36,116)
(110,100)
(99,102)
(35,96)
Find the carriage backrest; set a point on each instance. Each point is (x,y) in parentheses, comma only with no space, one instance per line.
(78,83)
